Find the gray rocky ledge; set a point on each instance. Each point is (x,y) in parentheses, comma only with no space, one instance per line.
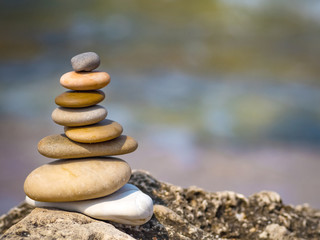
(179,213)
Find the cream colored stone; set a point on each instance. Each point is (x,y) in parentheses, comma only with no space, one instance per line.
(77,179)
(99,132)
(59,146)
(128,205)
(85,80)
(73,117)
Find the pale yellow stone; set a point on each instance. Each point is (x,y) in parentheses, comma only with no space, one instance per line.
(59,146)
(79,116)
(85,80)
(99,132)
(77,179)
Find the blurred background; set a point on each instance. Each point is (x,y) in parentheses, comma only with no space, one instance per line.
(221,94)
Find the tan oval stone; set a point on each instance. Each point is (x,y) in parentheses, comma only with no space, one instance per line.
(74,117)
(85,80)
(79,99)
(99,132)
(77,179)
(59,146)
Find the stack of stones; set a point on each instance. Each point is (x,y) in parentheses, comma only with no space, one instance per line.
(85,178)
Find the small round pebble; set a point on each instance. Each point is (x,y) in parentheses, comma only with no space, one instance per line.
(102,131)
(85,80)
(60,146)
(87,62)
(75,117)
(79,99)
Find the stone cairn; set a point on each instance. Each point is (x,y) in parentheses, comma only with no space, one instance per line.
(85,178)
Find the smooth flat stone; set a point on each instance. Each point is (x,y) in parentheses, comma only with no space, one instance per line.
(99,132)
(79,99)
(74,117)
(87,61)
(127,206)
(59,146)
(77,179)
(85,80)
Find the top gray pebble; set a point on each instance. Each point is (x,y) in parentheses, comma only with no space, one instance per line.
(87,62)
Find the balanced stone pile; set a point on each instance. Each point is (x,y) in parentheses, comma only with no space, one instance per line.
(86,179)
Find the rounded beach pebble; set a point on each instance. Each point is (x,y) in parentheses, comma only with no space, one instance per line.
(79,99)
(74,117)
(102,131)
(60,146)
(77,179)
(87,61)
(85,80)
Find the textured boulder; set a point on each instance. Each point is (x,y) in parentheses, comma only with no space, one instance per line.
(14,216)
(48,224)
(179,213)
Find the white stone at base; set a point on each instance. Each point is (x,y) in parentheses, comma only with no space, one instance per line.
(128,205)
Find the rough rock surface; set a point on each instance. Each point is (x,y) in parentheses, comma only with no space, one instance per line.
(14,216)
(48,224)
(179,213)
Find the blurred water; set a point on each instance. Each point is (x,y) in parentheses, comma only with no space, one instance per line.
(223,95)
(220,108)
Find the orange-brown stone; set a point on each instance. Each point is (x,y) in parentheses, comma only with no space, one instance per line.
(74,117)
(79,99)
(85,80)
(99,132)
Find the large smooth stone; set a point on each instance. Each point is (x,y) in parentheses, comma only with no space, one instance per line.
(74,117)
(99,132)
(77,179)
(87,61)
(79,99)
(85,80)
(127,206)
(59,146)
